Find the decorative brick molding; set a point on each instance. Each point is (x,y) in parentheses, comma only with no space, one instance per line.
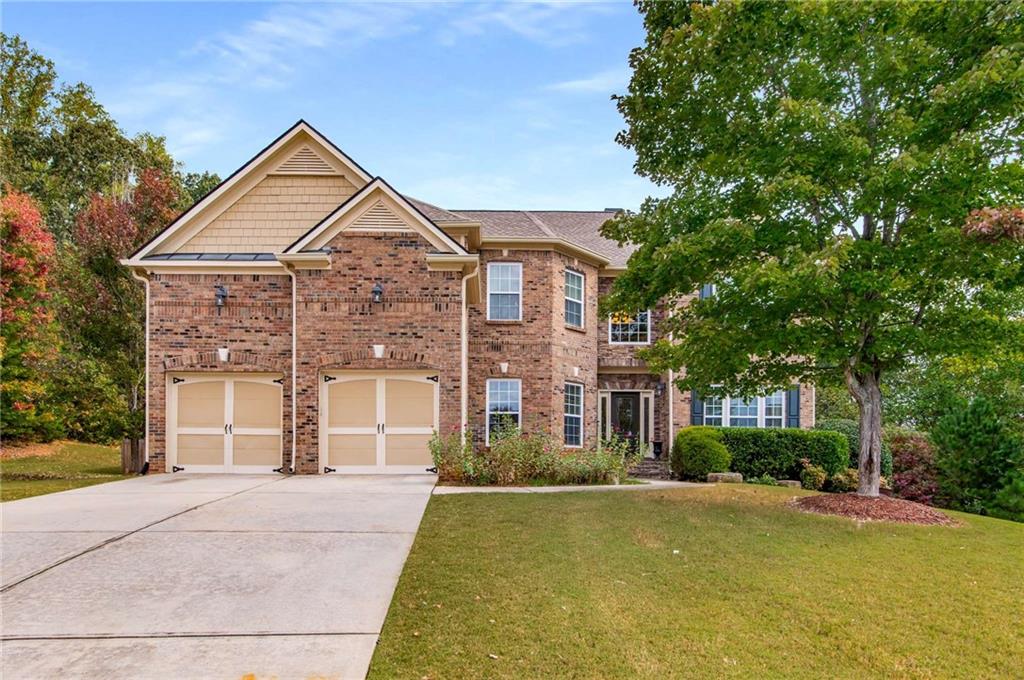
(364,358)
(208,361)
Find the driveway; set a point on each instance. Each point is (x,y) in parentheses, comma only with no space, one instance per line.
(205,576)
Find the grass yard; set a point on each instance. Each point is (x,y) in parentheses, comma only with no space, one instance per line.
(721,581)
(69,466)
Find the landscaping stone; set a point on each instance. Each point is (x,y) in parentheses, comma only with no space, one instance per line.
(725,477)
(789,483)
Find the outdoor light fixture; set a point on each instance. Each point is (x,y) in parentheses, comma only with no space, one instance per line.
(220,294)
(378,292)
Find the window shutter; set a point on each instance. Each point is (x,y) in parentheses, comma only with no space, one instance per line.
(705,291)
(696,409)
(793,407)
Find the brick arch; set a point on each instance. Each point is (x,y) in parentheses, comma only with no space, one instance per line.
(236,359)
(363,358)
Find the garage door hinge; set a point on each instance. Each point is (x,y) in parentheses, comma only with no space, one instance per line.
(280,381)
(280,469)
(432,470)
(175,468)
(433,378)
(329,378)
(175,381)
(328,469)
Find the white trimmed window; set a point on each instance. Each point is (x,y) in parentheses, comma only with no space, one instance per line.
(573,414)
(624,329)
(574,287)
(503,404)
(504,291)
(766,411)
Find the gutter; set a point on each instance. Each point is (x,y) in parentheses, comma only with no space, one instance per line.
(145,280)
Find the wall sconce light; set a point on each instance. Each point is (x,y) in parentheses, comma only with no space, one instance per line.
(378,292)
(223,354)
(659,389)
(503,366)
(378,351)
(220,296)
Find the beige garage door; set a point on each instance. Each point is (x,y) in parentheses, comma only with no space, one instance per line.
(224,423)
(377,423)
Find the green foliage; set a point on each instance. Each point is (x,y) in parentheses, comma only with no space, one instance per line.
(86,401)
(843,482)
(778,451)
(850,430)
(197,184)
(979,460)
(517,458)
(824,160)
(763,480)
(834,402)
(812,476)
(698,451)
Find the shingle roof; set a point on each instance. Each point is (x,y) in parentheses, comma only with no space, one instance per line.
(579,227)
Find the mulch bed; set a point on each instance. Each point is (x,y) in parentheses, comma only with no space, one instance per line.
(865,509)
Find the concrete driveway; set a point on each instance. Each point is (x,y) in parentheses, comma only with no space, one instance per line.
(205,576)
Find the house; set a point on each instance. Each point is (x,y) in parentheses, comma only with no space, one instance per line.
(307,316)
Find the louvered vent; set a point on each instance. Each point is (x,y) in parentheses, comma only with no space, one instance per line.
(379,218)
(305,161)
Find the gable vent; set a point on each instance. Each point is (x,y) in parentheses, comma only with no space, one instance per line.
(305,161)
(379,218)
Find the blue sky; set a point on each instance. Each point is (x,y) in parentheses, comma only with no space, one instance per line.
(482,105)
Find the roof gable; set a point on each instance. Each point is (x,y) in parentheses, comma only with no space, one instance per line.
(300,150)
(375,207)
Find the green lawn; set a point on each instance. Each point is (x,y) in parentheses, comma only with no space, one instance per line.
(72,466)
(722,581)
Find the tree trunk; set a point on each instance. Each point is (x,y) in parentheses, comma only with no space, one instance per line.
(866,390)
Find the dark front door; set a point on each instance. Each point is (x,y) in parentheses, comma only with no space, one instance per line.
(625,420)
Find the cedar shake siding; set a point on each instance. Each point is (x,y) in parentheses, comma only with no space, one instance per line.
(383,286)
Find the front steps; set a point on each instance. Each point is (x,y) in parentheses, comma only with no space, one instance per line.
(650,468)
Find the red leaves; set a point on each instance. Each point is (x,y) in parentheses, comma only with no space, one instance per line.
(26,251)
(992,225)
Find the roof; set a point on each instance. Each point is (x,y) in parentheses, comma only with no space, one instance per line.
(579,227)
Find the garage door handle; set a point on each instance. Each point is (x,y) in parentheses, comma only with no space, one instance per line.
(225,429)
(231,429)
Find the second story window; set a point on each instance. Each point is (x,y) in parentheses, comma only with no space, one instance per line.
(624,329)
(504,291)
(574,286)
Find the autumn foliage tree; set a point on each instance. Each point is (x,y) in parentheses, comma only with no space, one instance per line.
(846,174)
(27,338)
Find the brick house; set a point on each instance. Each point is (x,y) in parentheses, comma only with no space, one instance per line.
(306,316)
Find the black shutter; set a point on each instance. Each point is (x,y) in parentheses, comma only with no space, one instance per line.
(793,407)
(705,291)
(696,409)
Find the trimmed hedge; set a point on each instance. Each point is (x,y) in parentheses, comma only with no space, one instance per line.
(851,430)
(698,451)
(778,451)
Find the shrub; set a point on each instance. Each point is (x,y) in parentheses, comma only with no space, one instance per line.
(777,452)
(455,461)
(915,476)
(845,481)
(977,457)
(851,430)
(698,451)
(765,480)
(812,476)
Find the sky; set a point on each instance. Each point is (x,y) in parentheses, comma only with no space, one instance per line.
(465,105)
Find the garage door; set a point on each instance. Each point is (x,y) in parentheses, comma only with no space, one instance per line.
(374,423)
(224,423)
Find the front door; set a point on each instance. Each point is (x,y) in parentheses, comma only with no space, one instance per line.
(625,416)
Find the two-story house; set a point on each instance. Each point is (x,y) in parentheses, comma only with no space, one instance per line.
(306,316)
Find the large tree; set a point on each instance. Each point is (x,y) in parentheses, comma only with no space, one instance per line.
(824,159)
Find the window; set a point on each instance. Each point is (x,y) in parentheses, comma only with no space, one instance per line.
(502,405)
(573,414)
(504,291)
(630,330)
(574,298)
(773,410)
(742,412)
(713,411)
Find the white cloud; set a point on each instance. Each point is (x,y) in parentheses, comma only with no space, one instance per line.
(605,82)
(553,24)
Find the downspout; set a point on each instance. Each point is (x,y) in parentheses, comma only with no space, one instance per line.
(145,280)
(464,378)
(671,411)
(291,272)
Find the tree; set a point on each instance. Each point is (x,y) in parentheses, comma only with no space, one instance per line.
(196,185)
(27,336)
(825,159)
